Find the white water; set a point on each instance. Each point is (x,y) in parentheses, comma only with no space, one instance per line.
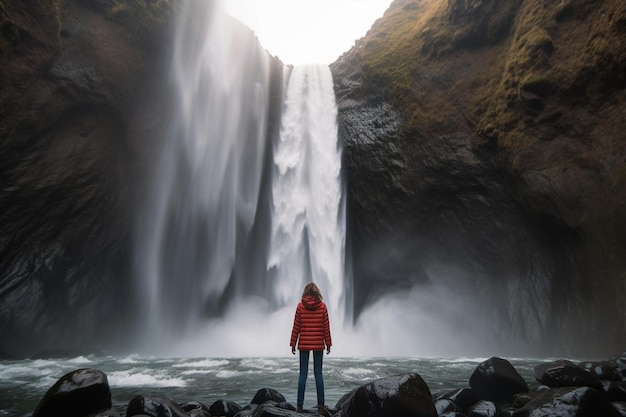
(222,258)
(308,216)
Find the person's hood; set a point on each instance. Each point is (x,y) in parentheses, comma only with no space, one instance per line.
(311,303)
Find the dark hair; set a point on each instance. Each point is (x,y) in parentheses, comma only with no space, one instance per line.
(312,290)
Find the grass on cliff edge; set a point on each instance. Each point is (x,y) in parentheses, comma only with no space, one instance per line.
(544,53)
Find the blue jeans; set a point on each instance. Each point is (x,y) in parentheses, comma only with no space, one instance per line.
(318,355)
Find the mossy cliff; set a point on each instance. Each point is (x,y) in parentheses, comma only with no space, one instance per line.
(487,138)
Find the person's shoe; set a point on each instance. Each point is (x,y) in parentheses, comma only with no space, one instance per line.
(321,410)
(299,410)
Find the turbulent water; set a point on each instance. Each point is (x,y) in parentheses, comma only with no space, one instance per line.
(23,383)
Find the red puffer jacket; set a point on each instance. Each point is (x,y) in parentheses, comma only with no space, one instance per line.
(311,327)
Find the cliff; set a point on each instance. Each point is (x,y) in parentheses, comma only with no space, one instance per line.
(484,147)
(78,121)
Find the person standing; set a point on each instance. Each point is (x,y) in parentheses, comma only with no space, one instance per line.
(311,333)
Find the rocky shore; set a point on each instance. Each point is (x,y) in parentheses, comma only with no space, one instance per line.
(495,389)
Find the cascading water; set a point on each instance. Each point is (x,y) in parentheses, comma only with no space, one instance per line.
(231,234)
(308,222)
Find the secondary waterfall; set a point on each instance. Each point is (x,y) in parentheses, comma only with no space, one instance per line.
(240,216)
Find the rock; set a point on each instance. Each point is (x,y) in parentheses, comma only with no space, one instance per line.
(602,370)
(497,380)
(156,405)
(463,397)
(267,394)
(620,407)
(444,405)
(484,409)
(105,413)
(569,402)
(77,393)
(621,365)
(197,409)
(270,409)
(404,395)
(224,408)
(615,390)
(345,399)
(564,373)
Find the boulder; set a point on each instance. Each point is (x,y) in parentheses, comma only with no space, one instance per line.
(267,394)
(404,395)
(484,409)
(78,393)
(620,407)
(444,405)
(156,405)
(621,365)
(105,413)
(463,397)
(196,409)
(270,409)
(602,370)
(224,408)
(564,373)
(615,390)
(569,402)
(497,380)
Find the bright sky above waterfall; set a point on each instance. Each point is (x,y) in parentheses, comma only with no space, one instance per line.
(307,31)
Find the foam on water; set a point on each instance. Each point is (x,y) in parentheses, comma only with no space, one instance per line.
(138,378)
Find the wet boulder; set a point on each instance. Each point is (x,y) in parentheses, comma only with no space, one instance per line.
(615,390)
(497,380)
(602,370)
(484,409)
(224,408)
(156,405)
(105,413)
(569,402)
(463,397)
(196,409)
(445,406)
(271,409)
(564,373)
(78,393)
(267,394)
(404,395)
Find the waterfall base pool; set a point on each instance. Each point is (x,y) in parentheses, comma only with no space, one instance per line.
(24,382)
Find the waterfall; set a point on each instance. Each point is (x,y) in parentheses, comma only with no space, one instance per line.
(308,222)
(238,219)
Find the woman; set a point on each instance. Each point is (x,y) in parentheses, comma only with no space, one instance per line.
(311,332)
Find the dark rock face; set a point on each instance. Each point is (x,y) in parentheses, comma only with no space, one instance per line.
(401,395)
(76,394)
(497,380)
(438,174)
(77,117)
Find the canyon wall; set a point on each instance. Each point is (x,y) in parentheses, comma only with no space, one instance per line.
(484,146)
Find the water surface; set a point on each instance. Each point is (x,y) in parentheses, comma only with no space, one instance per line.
(23,383)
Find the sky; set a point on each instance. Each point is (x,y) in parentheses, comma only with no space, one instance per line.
(307,31)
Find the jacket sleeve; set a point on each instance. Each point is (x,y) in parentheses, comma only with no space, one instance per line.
(295,331)
(327,339)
